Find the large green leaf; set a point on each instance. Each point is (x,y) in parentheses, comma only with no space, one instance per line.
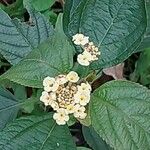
(42,5)
(146,41)
(116,26)
(120,114)
(8,107)
(50,59)
(93,139)
(36,133)
(18,39)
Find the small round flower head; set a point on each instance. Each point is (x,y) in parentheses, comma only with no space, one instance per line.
(61,116)
(90,53)
(69,96)
(82,98)
(80,39)
(50,84)
(79,112)
(72,77)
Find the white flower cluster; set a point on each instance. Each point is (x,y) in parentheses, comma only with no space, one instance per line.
(66,95)
(90,53)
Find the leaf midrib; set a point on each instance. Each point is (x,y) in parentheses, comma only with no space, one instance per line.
(49,134)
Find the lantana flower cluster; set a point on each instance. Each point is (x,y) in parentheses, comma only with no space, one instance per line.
(67,95)
(90,53)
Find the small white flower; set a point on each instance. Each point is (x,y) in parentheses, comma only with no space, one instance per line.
(70,109)
(80,39)
(91,43)
(61,79)
(87,54)
(50,84)
(47,98)
(96,49)
(48,81)
(72,77)
(84,87)
(61,116)
(54,105)
(94,57)
(79,112)
(82,98)
(84,58)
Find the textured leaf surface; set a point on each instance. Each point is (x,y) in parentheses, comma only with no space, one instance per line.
(8,107)
(36,133)
(42,5)
(120,113)
(146,41)
(116,26)
(50,59)
(18,39)
(93,139)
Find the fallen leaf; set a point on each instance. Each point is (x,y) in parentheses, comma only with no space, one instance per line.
(116,71)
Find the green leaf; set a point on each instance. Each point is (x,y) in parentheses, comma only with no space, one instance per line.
(50,59)
(36,133)
(16,9)
(115,26)
(142,69)
(120,114)
(19,91)
(8,107)
(18,39)
(42,5)
(83,148)
(93,139)
(51,16)
(29,104)
(146,41)
(81,70)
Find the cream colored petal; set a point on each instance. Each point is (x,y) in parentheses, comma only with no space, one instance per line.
(48,88)
(72,77)
(55,116)
(83,116)
(54,105)
(83,60)
(48,81)
(55,86)
(61,122)
(87,55)
(84,41)
(61,79)
(66,118)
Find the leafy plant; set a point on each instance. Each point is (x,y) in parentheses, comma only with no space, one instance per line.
(66,59)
